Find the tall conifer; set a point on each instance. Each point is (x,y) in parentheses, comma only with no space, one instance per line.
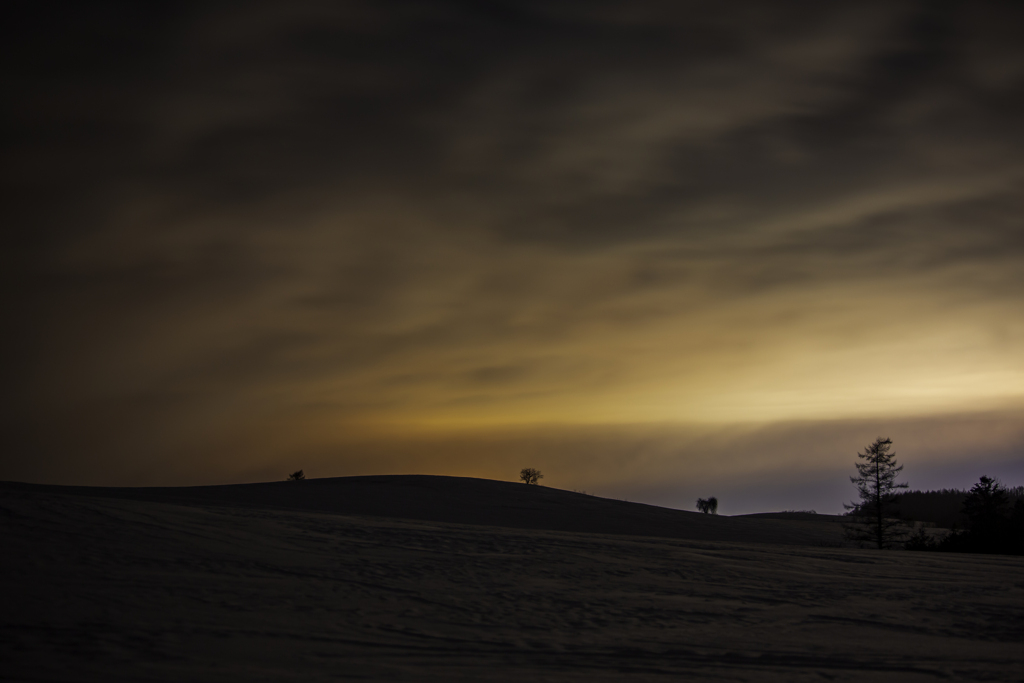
(876,485)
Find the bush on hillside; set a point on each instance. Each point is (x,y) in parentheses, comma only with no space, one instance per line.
(530,475)
(709,506)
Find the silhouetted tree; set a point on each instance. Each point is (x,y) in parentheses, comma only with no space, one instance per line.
(296,476)
(986,504)
(992,525)
(708,506)
(876,485)
(530,475)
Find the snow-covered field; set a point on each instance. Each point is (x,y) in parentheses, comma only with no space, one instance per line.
(131,587)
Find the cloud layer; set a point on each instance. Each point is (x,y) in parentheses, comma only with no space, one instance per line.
(249,232)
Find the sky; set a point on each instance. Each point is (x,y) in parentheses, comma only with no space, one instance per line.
(658,250)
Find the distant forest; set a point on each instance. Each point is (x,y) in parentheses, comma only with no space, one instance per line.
(943,508)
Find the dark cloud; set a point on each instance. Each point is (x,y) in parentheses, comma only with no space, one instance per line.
(226,218)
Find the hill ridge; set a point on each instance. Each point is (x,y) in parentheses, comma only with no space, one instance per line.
(469,500)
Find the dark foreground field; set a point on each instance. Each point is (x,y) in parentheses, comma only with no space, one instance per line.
(327,580)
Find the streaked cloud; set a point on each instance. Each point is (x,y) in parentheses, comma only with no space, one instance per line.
(245,233)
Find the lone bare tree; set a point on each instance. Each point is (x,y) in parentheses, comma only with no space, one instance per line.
(709,506)
(876,485)
(530,475)
(296,476)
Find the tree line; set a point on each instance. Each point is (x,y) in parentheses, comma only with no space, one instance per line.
(992,524)
(944,507)
(988,518)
